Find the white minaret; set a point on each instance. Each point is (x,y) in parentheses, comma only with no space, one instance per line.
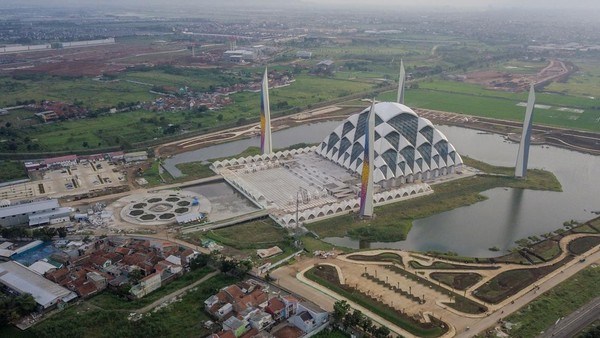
(366,188)
(523,155)
(401,83)
(265,117)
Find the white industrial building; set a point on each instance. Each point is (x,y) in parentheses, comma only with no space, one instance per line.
(20,279)
(34,213)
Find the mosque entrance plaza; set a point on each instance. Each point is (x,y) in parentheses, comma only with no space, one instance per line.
(301,180)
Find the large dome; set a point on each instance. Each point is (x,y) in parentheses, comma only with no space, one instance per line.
(407,147)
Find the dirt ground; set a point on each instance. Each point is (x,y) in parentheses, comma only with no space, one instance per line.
(554,71)
(97,60)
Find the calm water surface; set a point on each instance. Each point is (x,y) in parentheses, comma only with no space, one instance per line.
(308,133)
(508,214)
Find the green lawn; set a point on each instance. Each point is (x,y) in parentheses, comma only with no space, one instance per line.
(109,301)
(94,94)
(582,83)
(256,234)
(12,170)
(557,303)
(180,319)
(475,100)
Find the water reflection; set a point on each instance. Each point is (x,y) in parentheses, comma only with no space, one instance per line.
(508,214)
(308,133)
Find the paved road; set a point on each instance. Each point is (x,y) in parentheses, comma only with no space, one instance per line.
(575,322)
(547,283)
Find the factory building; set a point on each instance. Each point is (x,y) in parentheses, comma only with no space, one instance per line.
(34,213)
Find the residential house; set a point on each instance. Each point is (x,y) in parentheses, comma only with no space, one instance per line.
(291,305)
(309,317)
(146,285)
(237,326)
(276,308)
(261,320)
(222,334)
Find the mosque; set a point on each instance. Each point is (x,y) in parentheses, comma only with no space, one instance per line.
(383,154)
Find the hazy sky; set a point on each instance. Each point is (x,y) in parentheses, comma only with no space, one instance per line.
(480,4)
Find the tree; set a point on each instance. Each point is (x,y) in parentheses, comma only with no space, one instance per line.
(382,332)
(220,117)
(199,261)
(340,309)
(135,276)
(366,324)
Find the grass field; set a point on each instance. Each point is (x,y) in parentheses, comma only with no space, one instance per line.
(582,83)
(475,100)
(12,170)
(128,128)
(261,233)
(557,303)
(108,300)
(249,236)
(94,94)
(180,319)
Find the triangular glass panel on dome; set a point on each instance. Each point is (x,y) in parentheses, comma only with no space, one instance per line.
(347,127)
(419,162)
(409,155)
(359,162)
(425,151)
(402,166)
(390,157)
(427,131)
(357,150)
(394,139)
(442,148)
(406,124)
(377,136)
(361,126)
(384,170)
(344,145)
(378,120)
(333,139)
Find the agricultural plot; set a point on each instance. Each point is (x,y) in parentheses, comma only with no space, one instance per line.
(93,94)
(583,83)
(563,111)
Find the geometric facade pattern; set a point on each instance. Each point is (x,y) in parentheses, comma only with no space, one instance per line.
(407,147)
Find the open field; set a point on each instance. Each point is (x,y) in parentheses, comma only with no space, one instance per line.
(109,301)
(582,83)
(11,170)
(184,318)
(92,94)
(565,298)
(127,129)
